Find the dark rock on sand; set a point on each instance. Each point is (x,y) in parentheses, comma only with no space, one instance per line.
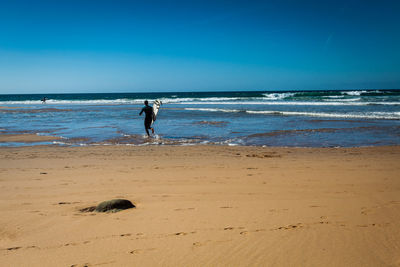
(114,205)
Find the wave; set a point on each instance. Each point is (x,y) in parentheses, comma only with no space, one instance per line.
(346,93)
(354,93)
(222,100)
(214,109)
(344,100)
(205,99)
(277,96)
(133,101)
(128,101)
(368,115)
(216,101)
(294,103)
(356,97)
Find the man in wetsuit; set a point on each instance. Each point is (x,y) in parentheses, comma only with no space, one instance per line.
(148,111)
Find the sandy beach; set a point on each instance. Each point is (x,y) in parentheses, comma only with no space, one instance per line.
(200,206)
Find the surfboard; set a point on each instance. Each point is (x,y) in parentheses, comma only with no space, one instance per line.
(156,107)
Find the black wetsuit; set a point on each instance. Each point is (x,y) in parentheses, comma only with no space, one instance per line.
(148,111)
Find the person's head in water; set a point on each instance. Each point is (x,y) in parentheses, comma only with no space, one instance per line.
(146,102)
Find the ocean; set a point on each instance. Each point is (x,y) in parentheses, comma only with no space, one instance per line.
(339,118)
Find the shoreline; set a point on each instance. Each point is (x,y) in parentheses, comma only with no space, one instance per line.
(200,205)
(27,140)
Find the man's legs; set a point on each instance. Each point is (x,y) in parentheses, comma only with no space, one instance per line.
(147,126)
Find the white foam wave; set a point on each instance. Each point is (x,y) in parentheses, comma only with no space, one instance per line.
(268,99)
(125,101)
(368,115)
(197,99)
(294,103)
(59,143)
(214,109)
(354,93)
(346,100)
(277,96)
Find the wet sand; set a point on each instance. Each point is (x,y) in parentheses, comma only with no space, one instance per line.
(26,138)
(200,206)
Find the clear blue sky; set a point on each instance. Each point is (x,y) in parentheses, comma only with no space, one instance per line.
(65,46)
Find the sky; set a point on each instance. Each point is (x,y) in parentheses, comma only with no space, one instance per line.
(154,46)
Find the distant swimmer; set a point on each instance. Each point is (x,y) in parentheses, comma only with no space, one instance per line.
(44,100)
(148,111)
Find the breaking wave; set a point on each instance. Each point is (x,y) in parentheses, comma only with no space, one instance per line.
(368,115)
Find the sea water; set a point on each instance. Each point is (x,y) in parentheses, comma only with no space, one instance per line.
(291,118)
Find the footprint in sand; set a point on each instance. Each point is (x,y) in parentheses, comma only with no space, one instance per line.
(199,244)
(64,203)
(83,265)
(278,210)
(140,251)
(70,244)
(374,225)
(253,231)
(13,248)
(136,251)
(125,234)
(365,211)
(183,233)
(184,209)
(290,227)
(180,233)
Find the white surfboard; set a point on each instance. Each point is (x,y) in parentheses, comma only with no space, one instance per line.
(156,106)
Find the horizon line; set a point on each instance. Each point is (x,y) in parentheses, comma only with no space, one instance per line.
(207,91)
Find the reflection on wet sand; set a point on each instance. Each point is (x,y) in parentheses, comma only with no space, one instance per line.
(325,130)
(26,138)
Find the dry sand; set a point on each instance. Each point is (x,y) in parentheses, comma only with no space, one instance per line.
(200,206)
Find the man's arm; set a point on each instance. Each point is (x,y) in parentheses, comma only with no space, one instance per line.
(141,112)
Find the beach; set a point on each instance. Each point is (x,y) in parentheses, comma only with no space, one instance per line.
(199,133)
(200,205)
